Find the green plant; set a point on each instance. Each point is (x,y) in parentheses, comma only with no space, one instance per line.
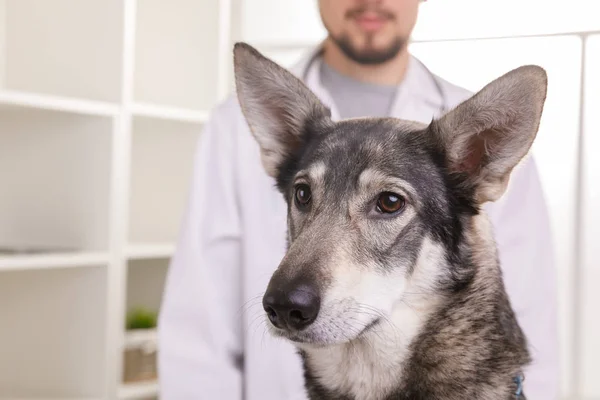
(141,318)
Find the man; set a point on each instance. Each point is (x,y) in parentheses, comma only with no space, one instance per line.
(212,334)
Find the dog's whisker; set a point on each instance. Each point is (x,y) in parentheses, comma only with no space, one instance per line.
(251,302)
(251,311)
(257,314)
(257,322)
(265,331)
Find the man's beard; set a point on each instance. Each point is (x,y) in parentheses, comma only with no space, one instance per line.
(369,55)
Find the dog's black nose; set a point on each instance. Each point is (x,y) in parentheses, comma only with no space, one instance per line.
(293,308)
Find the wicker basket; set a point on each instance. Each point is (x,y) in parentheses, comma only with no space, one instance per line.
(139,361)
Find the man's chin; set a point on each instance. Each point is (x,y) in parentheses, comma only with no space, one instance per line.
(368,53)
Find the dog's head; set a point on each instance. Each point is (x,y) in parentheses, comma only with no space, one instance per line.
(377,207)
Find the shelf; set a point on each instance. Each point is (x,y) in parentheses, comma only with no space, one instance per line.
(150,250)
(169,113)
(54,398)
(52,260)
(176,47)
(52,340)
(14,99)
(138,390)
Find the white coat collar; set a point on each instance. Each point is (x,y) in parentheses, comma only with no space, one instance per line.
(419,97)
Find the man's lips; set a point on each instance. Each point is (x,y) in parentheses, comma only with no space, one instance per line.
(369,21)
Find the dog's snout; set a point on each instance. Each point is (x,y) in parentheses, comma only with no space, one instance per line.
(293,307)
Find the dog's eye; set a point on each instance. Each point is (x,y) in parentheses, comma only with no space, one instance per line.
(389,203)
(303,195)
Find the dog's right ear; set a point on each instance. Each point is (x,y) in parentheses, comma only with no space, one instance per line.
(486,136)
(281,112)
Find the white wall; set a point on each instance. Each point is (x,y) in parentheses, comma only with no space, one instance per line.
(589,273)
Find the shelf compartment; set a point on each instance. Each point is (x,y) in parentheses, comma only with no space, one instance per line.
(52,341)
(62,47)
(59,198)
(161,170)
(145,283)
(175,47)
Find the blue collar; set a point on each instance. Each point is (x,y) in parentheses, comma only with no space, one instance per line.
(519,381)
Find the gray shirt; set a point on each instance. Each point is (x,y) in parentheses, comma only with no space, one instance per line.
(353,98)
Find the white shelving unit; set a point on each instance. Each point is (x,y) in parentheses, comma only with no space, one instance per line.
(101,106)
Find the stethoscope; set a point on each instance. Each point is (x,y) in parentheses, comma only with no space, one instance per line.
(439,88)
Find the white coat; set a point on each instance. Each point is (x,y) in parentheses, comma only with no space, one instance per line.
(233,237)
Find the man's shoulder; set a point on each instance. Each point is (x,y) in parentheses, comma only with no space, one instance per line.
(455,94)
(226,109)
(225,119)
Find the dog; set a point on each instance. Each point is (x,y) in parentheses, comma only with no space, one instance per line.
(390,287)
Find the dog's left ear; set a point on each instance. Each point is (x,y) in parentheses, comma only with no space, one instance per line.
(487,135)
(281,112)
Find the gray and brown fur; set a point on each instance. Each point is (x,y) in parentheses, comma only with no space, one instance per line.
(411,305)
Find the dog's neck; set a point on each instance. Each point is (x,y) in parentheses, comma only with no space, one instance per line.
(375,365)
(370,364)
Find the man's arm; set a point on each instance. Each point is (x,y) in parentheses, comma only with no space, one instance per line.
(522,230)
(200,341)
